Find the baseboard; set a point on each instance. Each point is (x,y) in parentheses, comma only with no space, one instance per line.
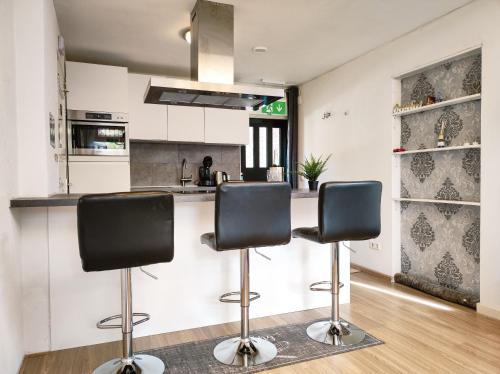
(487,311)
(372,272)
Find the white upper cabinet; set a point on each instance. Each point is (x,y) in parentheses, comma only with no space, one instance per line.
(226,126)
(185,124)
(96,87)
(146,121)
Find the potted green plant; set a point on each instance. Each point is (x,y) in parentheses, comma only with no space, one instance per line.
(312,168)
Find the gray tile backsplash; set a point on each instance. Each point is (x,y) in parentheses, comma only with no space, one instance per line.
(159,164)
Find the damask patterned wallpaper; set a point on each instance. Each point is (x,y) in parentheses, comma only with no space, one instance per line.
(451,79)
(440,242)
(442,250)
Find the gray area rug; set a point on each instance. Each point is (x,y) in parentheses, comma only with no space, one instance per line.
(293,345)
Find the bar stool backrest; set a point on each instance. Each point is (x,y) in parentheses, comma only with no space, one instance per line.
(124,230)
(349,210)
(249,215)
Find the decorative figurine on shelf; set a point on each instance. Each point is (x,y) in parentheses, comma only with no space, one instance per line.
(430,100)
(439,97)
(397,108)
(441,139)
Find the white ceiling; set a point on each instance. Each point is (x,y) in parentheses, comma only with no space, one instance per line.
(305,38)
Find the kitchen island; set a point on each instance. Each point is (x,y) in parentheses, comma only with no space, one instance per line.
(62,303)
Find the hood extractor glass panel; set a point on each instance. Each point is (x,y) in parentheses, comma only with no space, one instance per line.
(177,97)
(210,100)
(241,102)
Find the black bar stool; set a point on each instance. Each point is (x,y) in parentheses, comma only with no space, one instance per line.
(346,211)
(248,215)
(121,231)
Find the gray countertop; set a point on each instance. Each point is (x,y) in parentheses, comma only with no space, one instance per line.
(187,194)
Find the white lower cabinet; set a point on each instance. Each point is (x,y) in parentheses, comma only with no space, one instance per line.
(226,126)
(186,124)
(99,176)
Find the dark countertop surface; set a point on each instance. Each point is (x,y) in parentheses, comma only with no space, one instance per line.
(181,194)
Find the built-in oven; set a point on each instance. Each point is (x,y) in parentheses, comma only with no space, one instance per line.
(97,133)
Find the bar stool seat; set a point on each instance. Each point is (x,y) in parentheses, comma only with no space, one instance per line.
(209,239)
(309,233)
(248,215)
(346,211)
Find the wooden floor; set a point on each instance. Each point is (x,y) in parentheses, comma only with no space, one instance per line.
(422,334)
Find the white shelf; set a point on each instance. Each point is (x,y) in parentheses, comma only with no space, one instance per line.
(425,108)
(454,148)
(456,202)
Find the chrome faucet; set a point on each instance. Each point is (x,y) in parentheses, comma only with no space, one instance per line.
(185,179)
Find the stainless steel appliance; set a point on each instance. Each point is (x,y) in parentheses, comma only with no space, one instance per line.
(220,177)
(97,133)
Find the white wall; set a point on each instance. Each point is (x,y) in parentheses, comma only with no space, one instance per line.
(36,34)
(361,141)
(28,91)
(11,344)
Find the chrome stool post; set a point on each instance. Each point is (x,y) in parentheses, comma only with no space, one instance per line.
(128,363)
(335,331)
(245,350)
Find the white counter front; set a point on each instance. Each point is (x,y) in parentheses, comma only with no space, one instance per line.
(62,303)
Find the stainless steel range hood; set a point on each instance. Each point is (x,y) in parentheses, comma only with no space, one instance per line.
(212,67)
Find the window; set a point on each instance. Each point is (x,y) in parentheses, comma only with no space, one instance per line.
(249,148)
(266,147)
(262,147)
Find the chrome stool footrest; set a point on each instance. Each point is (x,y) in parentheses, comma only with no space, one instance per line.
(313,286)
(101,324)
(226,298)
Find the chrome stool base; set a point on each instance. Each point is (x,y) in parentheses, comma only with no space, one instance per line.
(141,364)
(238,352)
(330,333)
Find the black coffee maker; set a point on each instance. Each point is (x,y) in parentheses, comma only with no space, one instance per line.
(205,177)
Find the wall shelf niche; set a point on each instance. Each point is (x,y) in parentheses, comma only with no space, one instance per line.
(453,148)
(437,201)
(425,108)
(436,191)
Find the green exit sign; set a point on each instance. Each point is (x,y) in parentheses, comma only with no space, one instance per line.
(276,108)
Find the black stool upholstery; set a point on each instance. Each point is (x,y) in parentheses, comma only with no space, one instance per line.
(248,215)
(121,231)
(124,230)
(346,211)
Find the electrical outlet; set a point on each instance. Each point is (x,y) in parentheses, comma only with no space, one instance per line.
(374,245)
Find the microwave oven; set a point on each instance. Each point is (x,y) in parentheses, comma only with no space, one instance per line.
(97,133)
